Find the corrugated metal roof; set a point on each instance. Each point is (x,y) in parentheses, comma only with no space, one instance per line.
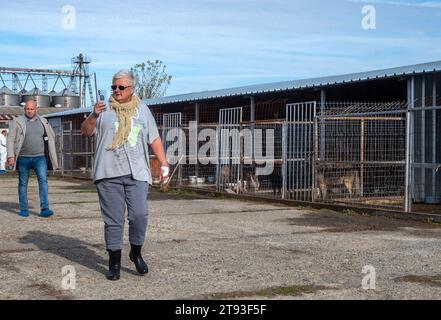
(300,84)
(69,112)
(7,117)
(285,85)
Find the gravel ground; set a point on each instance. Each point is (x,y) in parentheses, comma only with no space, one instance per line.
(213,248)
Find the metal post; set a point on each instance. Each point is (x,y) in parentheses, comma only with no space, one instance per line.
(409,177)
(408,191)
(82,102)
(423,136)
(311,149)
(284,157)
(322,123)
(62,148)
(238,144)
(240,182)
(253,108)
(86,139)
(253,121)
(315,158)
(178,132)
(434,135)
(218,143)
(361,156)
(302,119)
(71,148)
(196,110)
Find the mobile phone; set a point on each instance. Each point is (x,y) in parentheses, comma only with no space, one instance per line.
(102,95)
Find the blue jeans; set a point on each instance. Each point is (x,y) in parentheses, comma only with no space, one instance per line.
(25,164)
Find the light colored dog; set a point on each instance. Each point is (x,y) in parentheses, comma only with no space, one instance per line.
(251,183)
(350,180)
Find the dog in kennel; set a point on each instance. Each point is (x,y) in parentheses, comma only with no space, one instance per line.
(338,181)
(250,184)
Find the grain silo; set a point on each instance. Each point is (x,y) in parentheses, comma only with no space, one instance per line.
(9,97)
(42,98)
(66,99)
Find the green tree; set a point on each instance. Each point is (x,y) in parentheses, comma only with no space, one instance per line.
(152,79)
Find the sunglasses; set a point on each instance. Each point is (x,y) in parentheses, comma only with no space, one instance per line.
(121,88)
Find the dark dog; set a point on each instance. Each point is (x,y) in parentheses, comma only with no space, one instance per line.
(276,181)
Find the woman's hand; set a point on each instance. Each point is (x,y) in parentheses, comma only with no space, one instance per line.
(165,172)
(99,108)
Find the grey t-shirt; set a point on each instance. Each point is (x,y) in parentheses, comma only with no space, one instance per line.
(131,158)
(33,144)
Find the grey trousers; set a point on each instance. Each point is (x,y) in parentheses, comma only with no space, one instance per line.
(114,194)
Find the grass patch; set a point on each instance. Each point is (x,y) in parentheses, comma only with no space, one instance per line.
(86,191)
(433,281)
(181,192)
(349,212)
(269,292)
(75,202)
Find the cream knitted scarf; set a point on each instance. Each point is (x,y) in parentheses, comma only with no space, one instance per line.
(125,112)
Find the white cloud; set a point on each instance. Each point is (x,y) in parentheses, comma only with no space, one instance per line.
(424,4)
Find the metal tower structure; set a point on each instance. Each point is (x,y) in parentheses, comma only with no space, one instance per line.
(28,75)
(77,81)
(81,67)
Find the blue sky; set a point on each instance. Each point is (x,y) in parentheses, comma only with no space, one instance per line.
(209,44)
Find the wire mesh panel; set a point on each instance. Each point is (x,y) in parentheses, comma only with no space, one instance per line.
(171,123)
(262,159)
(299,140)
(362,158)
(426,156)
(206,155)
(76,152)
(198,155)
(58,130)
(262,150)
(174,141)
(228,169)
(171,120)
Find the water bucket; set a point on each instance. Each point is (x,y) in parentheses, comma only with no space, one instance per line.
(200,180)
(211,179)
(193,179)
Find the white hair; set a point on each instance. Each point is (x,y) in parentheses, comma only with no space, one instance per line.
(127,74)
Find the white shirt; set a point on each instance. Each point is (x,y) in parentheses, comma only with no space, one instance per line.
(2,143)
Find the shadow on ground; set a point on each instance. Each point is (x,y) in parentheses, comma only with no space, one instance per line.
(74,250)
(10,207)
(337,222)
(156,194)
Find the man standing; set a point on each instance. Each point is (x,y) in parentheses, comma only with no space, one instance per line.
(28,136)
(3,152)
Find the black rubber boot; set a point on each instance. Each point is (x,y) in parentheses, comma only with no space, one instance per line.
(114,265)
(135,256)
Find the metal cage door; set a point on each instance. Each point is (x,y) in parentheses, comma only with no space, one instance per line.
(298,180)
(228,166)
